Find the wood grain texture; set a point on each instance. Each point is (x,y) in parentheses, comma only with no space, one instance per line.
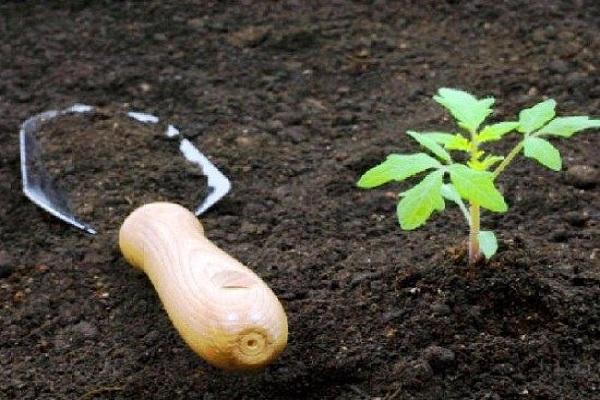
(222,309)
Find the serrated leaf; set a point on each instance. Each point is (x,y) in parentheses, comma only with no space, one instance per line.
(542,151)
(397,167)
(459,142)
(469,111)
(533,118)
(495,132)
(421,201)
(477,186)
(430,145)
(487,243)
(486,163)
(568,126)
(439,137)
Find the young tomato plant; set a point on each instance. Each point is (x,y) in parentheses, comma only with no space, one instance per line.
(471,184)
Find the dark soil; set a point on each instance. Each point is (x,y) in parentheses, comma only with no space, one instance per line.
(294,100)
(103,193)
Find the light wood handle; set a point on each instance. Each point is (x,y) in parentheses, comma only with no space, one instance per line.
(222,310)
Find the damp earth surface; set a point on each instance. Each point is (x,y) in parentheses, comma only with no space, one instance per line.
(293,101)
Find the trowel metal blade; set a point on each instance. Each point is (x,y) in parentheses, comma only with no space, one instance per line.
(38,185)
(42,189)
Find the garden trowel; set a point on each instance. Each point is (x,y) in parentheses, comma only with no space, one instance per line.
(222,309)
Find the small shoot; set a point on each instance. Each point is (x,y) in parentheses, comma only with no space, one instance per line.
(471,184)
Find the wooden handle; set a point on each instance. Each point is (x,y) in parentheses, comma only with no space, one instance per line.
(223,311)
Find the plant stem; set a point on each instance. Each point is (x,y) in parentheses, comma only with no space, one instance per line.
(474,213)
(474,250)
(513,153)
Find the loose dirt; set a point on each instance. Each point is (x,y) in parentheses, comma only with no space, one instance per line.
(294,101)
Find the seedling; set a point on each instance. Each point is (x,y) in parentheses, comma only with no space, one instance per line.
(471,184)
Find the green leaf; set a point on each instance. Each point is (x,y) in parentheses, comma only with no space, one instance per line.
(439,137)
(567,126)
(495,132)
(487,243)
(421,201)
(535,117)
(477,186)
(543,151)
(397,167)
(459,142)
(431,145)
(469,111)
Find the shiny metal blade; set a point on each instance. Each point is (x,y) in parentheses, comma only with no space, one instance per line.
(43,189)
(38,185)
